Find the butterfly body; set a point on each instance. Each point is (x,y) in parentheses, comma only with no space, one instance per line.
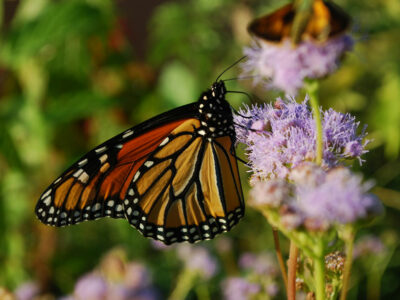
(327,20)
(173,177)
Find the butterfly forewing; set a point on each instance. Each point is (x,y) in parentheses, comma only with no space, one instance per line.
(95,185)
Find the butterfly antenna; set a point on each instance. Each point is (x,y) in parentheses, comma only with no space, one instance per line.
(242,78)
(240,115)
(244,93)
(238,158)
(244,127)
(232,65)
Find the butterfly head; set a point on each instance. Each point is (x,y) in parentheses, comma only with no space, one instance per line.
(215,112)
(218,89)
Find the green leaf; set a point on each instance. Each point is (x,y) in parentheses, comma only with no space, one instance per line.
(52,28)
(387,115)
(178,84)
(74,106)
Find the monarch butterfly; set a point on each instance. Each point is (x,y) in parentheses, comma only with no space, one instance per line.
(174,177)
(327,20)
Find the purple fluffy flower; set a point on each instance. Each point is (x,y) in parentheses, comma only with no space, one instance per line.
(270,193)
(285,66)
(27,291)
(198,259)
(340,197)
(160,245)
(318,199)
(368,245)
(272,289)
(236,288)
(261,264)
(282,136)
(91,287)
(137,276)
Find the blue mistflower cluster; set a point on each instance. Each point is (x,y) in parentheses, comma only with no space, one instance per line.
(338,196)
(317,199)
(279,137)
(259,281)
(198,259)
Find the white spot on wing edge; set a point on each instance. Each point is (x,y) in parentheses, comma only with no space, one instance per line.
(166,140)
(97,206)
(127,133)
(100,150)
(46,194)
(103,158)
(47,201)
(149,163)
(84,177)
(78,173)
(83,162)
(136,177)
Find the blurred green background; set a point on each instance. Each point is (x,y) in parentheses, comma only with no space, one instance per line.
(73,73)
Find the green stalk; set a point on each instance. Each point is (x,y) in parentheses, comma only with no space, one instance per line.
(312,90)
(319,277)
(349,240)
(202,292)
(184,284)
(280,257)
(1,15)
(319,261)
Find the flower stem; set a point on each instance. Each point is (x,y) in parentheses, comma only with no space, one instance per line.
(2,12)
(280,258)
(202,292)
(292,268)
(347,267)
(184,284)
(319,277)
(312,90)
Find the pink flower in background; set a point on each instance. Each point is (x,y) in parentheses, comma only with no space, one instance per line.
(285,66)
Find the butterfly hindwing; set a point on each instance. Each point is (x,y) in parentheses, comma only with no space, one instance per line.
(188,189)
